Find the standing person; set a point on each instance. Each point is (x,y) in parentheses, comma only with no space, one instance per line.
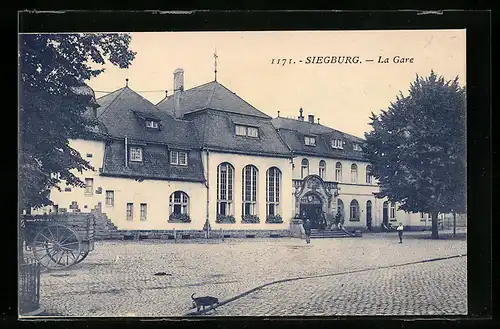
(400,232)
(306,223)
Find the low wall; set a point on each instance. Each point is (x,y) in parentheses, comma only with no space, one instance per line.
(191,234)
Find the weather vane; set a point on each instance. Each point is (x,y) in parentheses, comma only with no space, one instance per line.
(215,63)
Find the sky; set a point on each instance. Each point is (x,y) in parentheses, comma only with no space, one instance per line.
(342,96)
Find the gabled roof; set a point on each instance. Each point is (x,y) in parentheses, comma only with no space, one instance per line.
(155,164)
(217,132)
(212,95)
(293,132)
(122,113)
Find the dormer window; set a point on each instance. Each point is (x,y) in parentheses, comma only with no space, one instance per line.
(357,147)
(151,124)
(178,158)
(136,154)
(247,131)
(310,140)
(337,144)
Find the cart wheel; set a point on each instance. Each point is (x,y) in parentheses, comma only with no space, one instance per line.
(82,256)
(56,247)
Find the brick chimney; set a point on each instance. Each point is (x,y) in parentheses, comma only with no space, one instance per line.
(178,90)
(301,117)
(311,118)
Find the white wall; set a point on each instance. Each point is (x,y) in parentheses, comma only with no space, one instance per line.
(262,164)
(330,169)
(155,193)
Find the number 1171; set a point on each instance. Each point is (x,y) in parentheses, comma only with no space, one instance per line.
(281,61)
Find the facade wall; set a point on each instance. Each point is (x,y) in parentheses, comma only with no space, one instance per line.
(154,193)
(330,169)
(361,191)
(262,164)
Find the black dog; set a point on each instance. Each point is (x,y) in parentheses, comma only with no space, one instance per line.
(202,302)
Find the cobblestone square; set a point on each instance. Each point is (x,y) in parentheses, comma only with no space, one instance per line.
(347,276)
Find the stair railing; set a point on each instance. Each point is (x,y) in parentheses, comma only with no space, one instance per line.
(342,228)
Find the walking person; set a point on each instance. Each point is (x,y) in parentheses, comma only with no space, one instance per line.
(400,232)
(306,223)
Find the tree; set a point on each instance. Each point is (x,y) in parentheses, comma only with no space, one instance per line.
(53,98)
(417,148)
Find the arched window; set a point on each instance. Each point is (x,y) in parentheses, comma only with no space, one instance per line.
(322,169)
(354,213)
(354,173)
(393,211)
(273,180)
(368,174)
(225,183)
(179,203)
(340,208)
(338,172)
(249,190)
(304,169)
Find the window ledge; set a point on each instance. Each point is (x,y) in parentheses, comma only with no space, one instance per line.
(178,221)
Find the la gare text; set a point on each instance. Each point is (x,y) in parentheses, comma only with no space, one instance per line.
(343,60)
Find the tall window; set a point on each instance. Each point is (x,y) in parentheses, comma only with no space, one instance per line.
(89,186)
(144,211)
(357,147)
(354,213)
(322,169)
(110,198)
(368,174)
(338,172)
(392,213)
(304,168)
(249,190)
(130,211)
(225,183)
(136,154)
(179,203)
(354,173)
(273,179)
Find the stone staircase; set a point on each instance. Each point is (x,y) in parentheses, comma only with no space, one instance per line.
(104,227)
(332,233)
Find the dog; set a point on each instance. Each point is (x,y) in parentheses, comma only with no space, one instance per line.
(202,302)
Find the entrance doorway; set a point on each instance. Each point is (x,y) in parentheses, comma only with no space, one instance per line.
(369,215)
(311,205)
(385,214)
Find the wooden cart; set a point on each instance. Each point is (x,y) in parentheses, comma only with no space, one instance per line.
(59,241)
